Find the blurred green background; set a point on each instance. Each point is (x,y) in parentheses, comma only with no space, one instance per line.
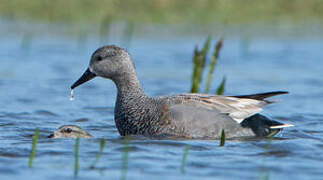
(165,11)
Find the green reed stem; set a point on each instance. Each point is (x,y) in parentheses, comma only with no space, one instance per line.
(76,156)
(195,80)
(125,158)
(214,60)
(206,47)
(199,60)
(220,89)
(33,150)
(98,156)
(222,142)
(187,149)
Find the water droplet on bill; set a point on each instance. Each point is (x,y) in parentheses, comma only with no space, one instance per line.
(72,95)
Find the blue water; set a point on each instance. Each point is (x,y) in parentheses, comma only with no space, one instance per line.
(39,62)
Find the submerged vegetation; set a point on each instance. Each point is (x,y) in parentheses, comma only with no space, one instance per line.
(164,11)
(264,172)
(199,61)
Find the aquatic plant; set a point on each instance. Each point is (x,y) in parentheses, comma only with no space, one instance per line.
(199,61)
(102,145)
(76,156)
(222,141)
(33,150)
(125,158)
(220,89)
(264,174)
(212,64)
(186,151)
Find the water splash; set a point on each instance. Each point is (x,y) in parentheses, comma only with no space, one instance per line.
(72,95)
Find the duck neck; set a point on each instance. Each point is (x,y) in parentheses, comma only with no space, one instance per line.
(133,107)
(128,86)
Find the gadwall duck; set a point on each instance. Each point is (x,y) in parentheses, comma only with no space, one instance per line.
(70,131)
(183,116)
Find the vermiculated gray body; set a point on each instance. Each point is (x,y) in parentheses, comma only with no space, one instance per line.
(184,116)
(142,115)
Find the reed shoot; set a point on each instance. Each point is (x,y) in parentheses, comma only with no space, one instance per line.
(188,147)
(199,61)
(33,150)
(222,142)
(98,156)
(214,60)
(220,89)
(76,156)
(125,158)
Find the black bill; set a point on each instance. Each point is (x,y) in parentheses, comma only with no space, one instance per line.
(87,75)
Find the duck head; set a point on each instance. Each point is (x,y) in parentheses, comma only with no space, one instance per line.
(70,131)
(108,62)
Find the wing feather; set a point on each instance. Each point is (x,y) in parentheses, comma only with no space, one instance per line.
(238,108)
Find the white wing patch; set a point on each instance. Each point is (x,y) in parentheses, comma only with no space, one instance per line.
(244,108)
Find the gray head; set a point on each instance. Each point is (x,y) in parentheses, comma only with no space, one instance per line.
(108,62)
(70,131)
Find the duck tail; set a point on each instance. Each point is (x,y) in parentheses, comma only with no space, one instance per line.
(262,96)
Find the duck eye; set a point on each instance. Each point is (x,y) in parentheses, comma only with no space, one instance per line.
(99,58)
(68,130)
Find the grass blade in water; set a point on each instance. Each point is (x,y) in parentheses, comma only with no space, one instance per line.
(125,158)
(185,158)
(220,89)
(33,150)
(206,47)
(195,80)
(76,156)
(102,144)
(222,142)
(199,60)
(214,60)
